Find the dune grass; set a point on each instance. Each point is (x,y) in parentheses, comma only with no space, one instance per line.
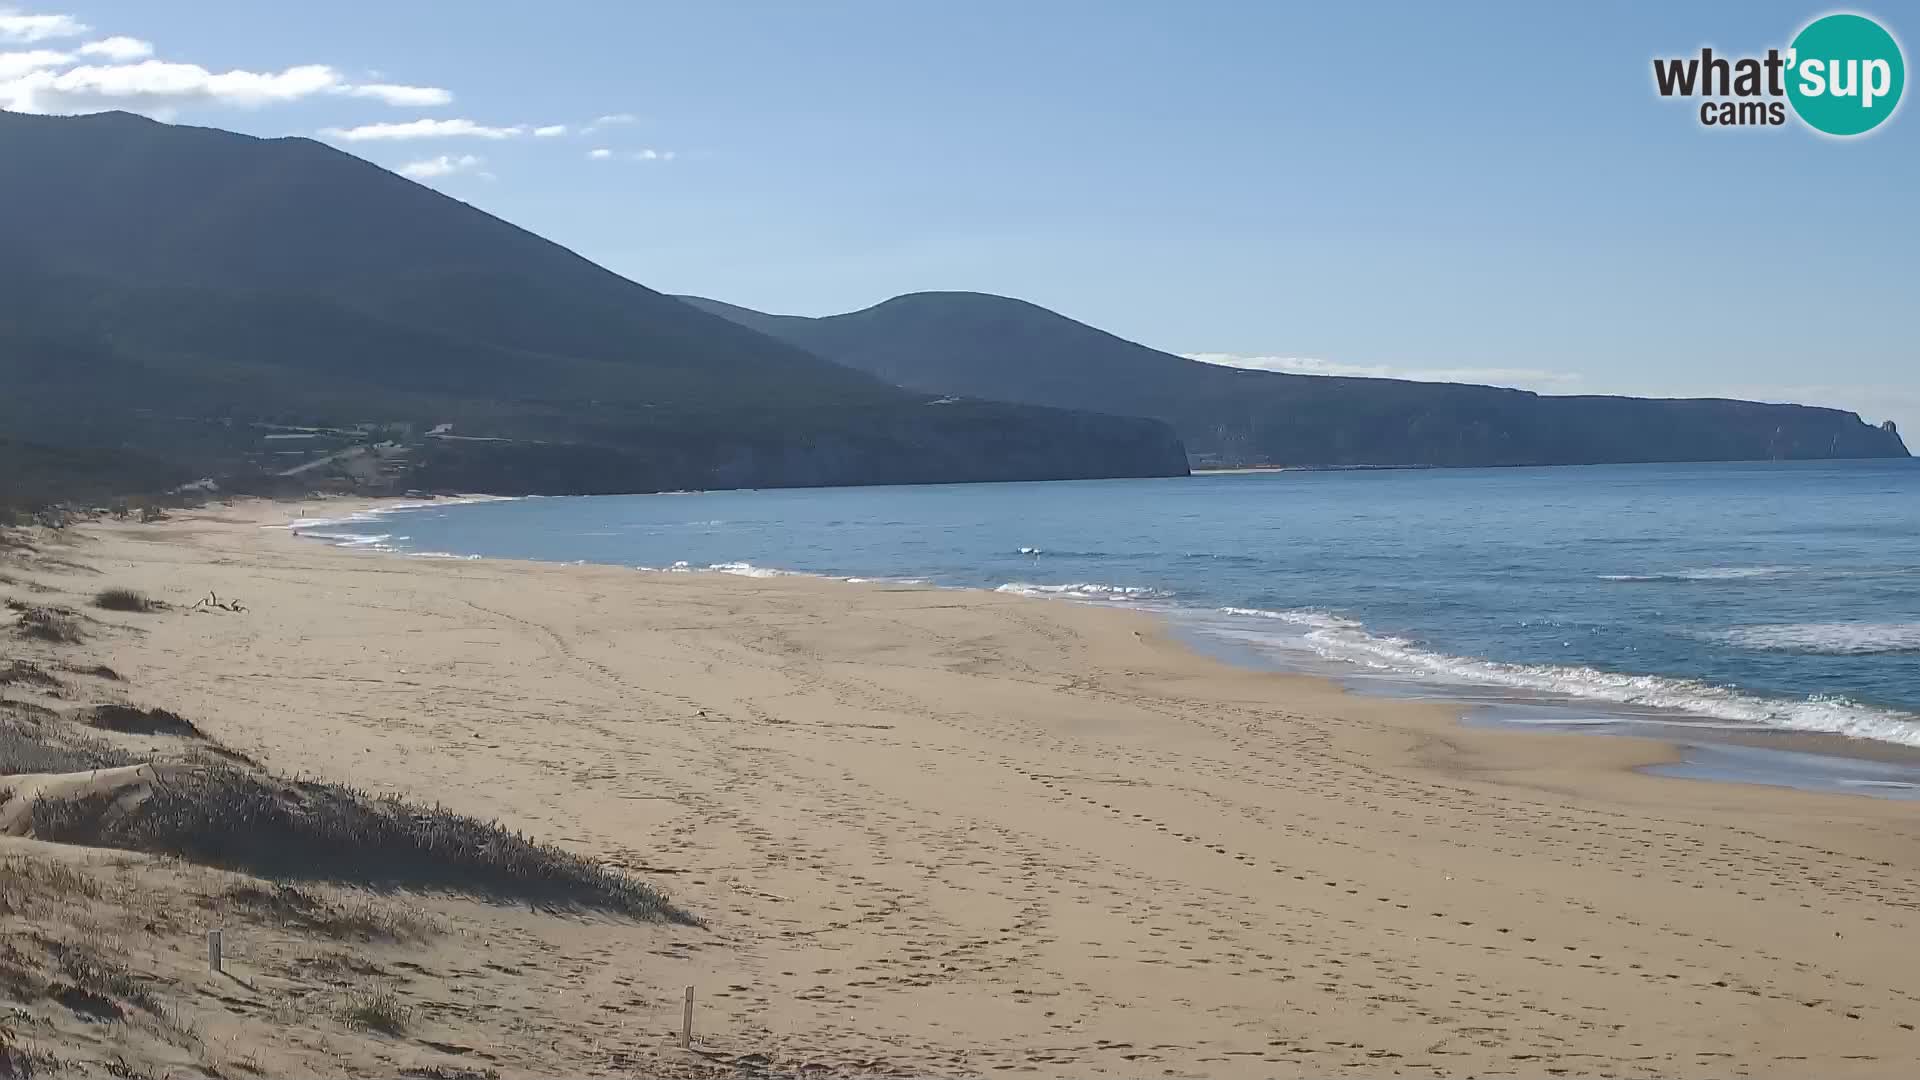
(29,748)
(224,811)
(376,1007)
(17,1060)
(55,625)
(234,818)
(121,599)
(26,884)
(131,720)
(352,919)
(91,968)
(29,674)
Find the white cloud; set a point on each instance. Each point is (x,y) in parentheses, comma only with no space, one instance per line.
(15,64)
(444,165)
(123,76)
(157,85)
(118,48)
(423,129)
(410,96)
(605,154)
(609,120)
(1524,378)
(550,131)
(31,28)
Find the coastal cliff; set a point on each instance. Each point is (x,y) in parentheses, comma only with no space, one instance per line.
(998,347)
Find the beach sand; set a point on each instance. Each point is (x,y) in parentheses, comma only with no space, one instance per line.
(952,833)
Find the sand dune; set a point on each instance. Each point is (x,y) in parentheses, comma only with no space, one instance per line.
(947,833)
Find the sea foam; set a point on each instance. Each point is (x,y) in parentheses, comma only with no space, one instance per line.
(1827,639)
(1335,638)
(1710,573)
(1086,590)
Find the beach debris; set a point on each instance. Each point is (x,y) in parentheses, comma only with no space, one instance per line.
(212,602)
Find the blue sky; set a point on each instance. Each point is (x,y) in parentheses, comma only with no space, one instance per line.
(1490,192)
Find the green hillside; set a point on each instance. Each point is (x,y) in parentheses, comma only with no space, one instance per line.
(165,288)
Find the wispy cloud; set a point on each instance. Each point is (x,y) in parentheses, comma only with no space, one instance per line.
(102,71)
(423,129)
(118,72)
(1524,378)
(444,165)
(607,121)
(18,27)
(605,154)
(118,48)
(406,96)
(156,85)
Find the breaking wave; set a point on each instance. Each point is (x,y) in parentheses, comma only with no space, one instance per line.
(1086,591)
(1711,573)
(745,569)
(1335,638)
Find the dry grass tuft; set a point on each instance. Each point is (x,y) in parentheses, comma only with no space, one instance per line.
(60,626)
(27,883)
(91,969)
(25,750)
(21,1062)
(130,720)
(27,673)
(30,748)
(360,918)
(19,975)
(121,599)
(376,1007)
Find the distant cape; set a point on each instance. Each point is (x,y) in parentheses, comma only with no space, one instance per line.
(995,347)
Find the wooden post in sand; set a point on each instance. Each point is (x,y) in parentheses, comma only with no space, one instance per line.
(213,951)
(686,1023)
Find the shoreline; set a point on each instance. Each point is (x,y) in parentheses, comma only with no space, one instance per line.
(1787,771)
(952,833)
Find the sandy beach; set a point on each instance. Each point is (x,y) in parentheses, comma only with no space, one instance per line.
(947,833)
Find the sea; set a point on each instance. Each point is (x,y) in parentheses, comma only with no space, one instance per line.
(1703,603)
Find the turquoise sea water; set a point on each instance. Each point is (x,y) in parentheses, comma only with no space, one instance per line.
(1755,595)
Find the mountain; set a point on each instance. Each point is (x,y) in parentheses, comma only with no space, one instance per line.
(995,347)
(167,290)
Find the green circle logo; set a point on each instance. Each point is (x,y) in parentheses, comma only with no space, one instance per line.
(1845,74)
